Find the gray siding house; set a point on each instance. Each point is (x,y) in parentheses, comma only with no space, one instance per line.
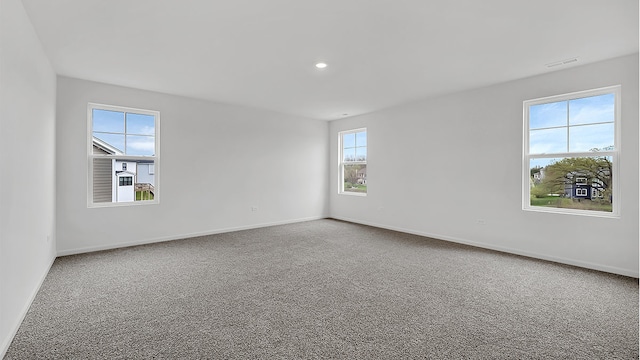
(103,171)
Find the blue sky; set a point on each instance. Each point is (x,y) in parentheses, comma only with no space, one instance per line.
(138,138)
(354,145)
(572,126)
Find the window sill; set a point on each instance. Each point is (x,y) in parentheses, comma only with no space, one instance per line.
(589,213)
(352,193)
(122,204)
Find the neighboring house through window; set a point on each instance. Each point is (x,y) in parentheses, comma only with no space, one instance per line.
(571,147)
(123,151)
(353,162)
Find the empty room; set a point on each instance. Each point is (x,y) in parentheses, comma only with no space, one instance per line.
(359,179)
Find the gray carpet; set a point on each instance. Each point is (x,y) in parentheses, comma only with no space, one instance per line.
(325,289)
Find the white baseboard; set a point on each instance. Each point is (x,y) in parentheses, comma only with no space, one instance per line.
(23,312)
(182,236)
(573,262)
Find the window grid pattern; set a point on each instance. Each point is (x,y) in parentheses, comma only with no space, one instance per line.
(119,137)
(353,162)
(570,153)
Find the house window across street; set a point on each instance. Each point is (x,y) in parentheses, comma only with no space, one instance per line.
(353,162)
(571,149)
(123,151)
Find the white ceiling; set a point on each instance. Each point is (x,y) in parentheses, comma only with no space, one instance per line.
(261,53)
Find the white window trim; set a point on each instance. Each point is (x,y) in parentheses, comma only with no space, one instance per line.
(341,162)
(91,156)
(581,192)
(614,154)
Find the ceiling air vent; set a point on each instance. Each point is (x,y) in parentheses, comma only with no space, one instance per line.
(561,62)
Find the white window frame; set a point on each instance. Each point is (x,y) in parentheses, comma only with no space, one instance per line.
(91,156)
(614,154)
(341,162)
(581,192)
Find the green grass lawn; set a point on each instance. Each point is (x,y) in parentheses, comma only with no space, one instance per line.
(559,202)
(545,201)
(356,188)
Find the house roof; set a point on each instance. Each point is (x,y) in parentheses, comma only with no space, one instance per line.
(106,147)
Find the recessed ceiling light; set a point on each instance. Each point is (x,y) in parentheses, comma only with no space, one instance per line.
(321,65)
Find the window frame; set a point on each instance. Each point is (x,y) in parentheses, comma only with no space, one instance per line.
(614,154)
(91,156)
(341,162)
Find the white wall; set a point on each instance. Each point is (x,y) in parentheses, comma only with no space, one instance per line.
(438,166)
(27,193)
(216,163)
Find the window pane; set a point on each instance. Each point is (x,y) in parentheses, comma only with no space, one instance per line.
(141,145)
(349,154)
(361,138)
(138,124)
(111,144)
(560,183)
(361,154)
(108,121)
(548,115)
(349,140)
(355,178)
(594,109)
(109,187)
(548,141)
(589,137)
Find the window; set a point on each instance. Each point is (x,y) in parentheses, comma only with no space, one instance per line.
(595,193)
(353,162)
(123,144)
(571,145)
(126,181)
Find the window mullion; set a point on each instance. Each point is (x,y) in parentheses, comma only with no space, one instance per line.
(568,126)
(125,132)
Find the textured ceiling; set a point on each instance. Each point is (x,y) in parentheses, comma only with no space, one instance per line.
(380,53)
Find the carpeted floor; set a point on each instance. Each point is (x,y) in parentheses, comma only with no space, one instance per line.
(325,289)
